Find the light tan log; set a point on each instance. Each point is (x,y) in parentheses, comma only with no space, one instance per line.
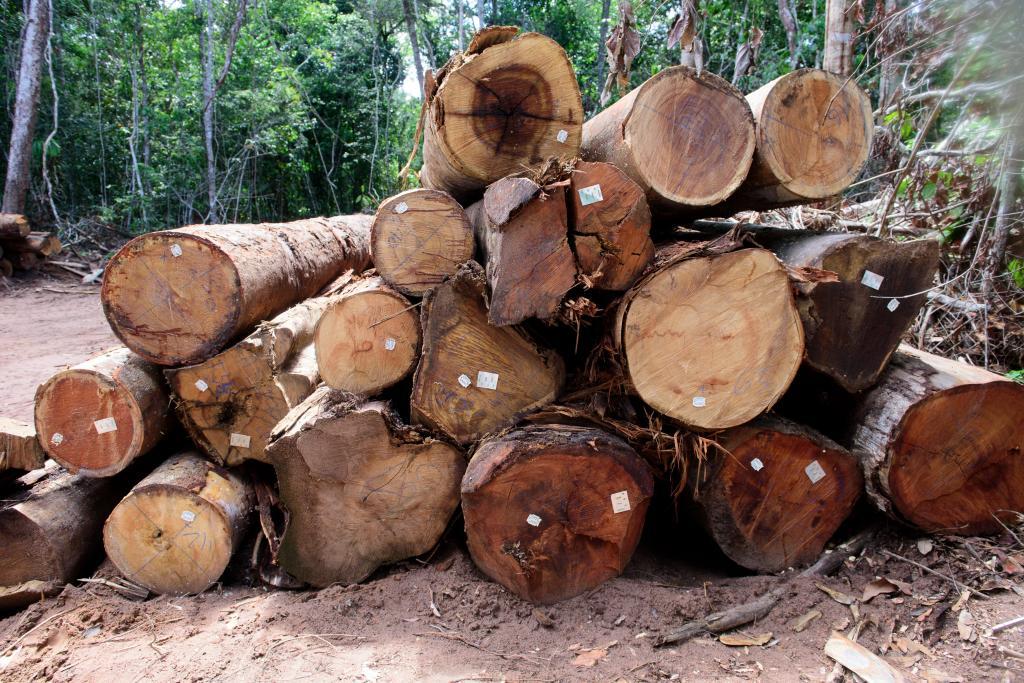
(175,532)
(19,447)
(507,104)
(97,417)
(362,489)
(687,140)
(180,296)
(474,378)
(523,232)
(367,339)
(419,237)
(14,225)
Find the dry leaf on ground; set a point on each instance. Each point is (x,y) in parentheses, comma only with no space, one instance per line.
(744,639)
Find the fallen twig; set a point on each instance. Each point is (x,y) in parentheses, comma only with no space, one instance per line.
(929,570)
(477,646)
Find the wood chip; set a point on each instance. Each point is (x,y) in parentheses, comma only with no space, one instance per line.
(878,587)
(802,622)
(838,596)
(862,661)
(744,639)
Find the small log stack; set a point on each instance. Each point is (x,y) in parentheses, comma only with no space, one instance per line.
(21,248)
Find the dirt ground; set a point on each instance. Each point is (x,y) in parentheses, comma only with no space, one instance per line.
(439,619)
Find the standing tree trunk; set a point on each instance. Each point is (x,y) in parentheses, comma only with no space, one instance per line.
(838,38)
(787,14)
(481,21)
(462,28)
(414,41)
(26,100)
(206,50)
(606,8)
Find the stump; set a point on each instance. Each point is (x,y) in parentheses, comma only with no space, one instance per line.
(508,103)
(179,296)
(97,417)
(474,378)
(420,237)
(554,511)
(19,447)
(353,509)
(175,532)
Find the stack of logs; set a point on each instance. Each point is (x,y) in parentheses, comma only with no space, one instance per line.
(20,247)
(542,347)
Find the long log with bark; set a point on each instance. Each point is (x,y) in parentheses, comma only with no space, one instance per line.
(43,244)
(361,488)
(175,532)
(473,377)
(507,103)
(554,511)
(97,417)
(19,447)
(179,296)
(14,225)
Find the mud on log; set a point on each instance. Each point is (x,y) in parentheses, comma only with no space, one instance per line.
(19,447)
(554,511)
(353,509)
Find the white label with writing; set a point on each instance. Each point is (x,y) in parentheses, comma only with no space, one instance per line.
(390,343)
(620,502)
(105,425)
(872,280)
(533,520)
(240,440)
(401,207)
(465,381)
(814,472)
(175,250)
(57,439)
(699,401)
(201,385)
(893,304)
(188,516)
(756,464)
(487,380)
(590,195)
(562,136)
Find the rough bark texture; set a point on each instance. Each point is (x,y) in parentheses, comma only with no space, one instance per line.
(554,511)
(14,225)
(179,296)
(687,140)
(506,104)
(775,492)
(175,532)
(362,489)
(941,444)
(522,230)
(419,238)
(97,417)
(474,378)
(19,447)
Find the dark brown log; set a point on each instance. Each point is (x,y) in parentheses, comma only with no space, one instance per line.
(97,417)
(19,447)
(43,244)
(25,260)
(6,267)
(353,509)
(14,225)
(474,378)
(523,233)
(554,511)
(179,296)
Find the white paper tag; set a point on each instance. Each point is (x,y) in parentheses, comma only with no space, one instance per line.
(105,425)
(465,381)
(401,207)
(188,516)
(175,250)
(756,464)
(533,520)
(814,472)
(487,380)
(893,304)
(57,439)
(590,195)
(562,136)
(620,502)
(390,343)
(240,440)
(201,385)
(872,280)
(699,401)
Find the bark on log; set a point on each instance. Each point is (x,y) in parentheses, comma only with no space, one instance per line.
(523,233)
(25,260)
(175,532)
(611,226)
(941,444)
(474,378)
(179,296)
(14,225)
(687,140)
(97,417)
(43,244)
(554,511)
(775,493)
(419,238)
(355,509)
(367,339)
(230,403)
(6,268)
(19,447)
(506,103)
(712,341)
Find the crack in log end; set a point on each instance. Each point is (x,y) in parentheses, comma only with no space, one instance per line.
(516,96)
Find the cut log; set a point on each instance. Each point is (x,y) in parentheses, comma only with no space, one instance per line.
(712,341)
(25,260)
(19,447)
(506,104)
(523,233)
(611,226)
(686,139)
(97,417)
(419,238)
(367,339)
(175,532)
(353,509)
(43,244)
(554,511)
(230,403)
(474,378)
(941,444)
(179,296)
(14,225)
(6,267)
(814,134)
(775,492)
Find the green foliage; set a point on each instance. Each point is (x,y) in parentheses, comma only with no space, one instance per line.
(1016,375)
(1016,268)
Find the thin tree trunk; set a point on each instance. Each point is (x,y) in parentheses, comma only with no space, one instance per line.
(838,38)
(462,29)
(206,50)
(606,6)
(1008,181)
(410,27)
(787,13)
(480,14)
